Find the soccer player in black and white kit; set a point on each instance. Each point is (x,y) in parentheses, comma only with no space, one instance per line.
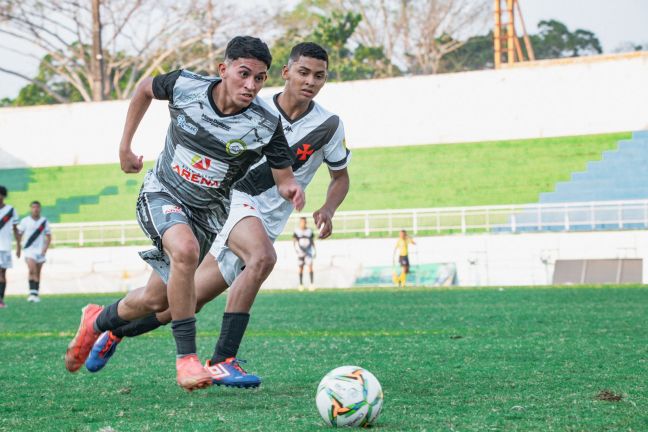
(36,236)
(316,136)
(218,129)
(8,229)
(304,244)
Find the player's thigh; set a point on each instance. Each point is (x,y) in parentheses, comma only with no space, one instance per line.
(248,239)
(31,265)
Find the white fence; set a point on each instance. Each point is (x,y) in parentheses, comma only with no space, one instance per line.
(583,216)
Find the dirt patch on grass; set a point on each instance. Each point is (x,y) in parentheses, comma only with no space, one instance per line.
(608,396)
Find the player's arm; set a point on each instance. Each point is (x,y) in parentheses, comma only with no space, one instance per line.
(18,237)
(139,104)
(48,240)
(337,191)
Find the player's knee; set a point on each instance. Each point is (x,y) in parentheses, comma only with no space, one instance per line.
(185,254)
(263,261)
(157,303)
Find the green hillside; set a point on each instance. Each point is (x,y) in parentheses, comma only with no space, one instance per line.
(485,173)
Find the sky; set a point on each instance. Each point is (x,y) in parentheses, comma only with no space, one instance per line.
(613,21)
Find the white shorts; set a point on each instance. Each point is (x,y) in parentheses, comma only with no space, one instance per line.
(36,256)
(5,260)
(243,205)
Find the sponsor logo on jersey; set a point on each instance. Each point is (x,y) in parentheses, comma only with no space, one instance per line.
(167,209)
(235,147)
(304,152)
(190,97)
(182,122)
(288,128)
(215,123)
(200,162)
(198,169)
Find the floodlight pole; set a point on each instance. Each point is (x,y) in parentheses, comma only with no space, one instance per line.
(497,34)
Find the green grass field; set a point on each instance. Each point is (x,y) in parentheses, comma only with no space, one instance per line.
(485,173)
(449,360)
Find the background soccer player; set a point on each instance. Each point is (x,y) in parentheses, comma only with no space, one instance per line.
(402,247)
(218,129)
(8,225)
(34,230)
(316,136)
(304,244)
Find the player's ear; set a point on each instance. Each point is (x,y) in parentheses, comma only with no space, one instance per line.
(222,68)
(284,72)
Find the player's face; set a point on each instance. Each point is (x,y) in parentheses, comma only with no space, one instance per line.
(302,224)
(304,78)
(242,80)
(35,210)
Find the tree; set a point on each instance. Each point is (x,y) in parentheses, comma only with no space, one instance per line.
(103,53)
(554,40)
(476,53)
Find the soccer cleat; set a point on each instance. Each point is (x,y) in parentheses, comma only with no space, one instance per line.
(191,375)
(33,298)
(311,287)
(300,287)
(101,351)
(2,304)
(230,374)
(79,348)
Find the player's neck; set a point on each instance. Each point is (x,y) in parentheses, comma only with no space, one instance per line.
(291,106)
(223,102)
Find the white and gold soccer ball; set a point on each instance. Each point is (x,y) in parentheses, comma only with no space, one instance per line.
(349,396)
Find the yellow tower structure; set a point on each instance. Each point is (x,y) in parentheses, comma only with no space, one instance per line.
(506,42)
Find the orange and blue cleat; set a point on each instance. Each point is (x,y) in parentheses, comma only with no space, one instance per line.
(230,374)
(79,348)
(191,375)
(101,351)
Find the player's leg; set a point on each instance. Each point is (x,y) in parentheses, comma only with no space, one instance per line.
(33,280)
(249,241)
(311,287)
(37,276)
(300,270)
(3,285)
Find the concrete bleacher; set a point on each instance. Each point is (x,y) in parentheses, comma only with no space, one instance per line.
(620,175)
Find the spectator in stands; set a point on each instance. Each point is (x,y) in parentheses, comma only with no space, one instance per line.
(34,230)
(8,223)
(304,243)
(402,246)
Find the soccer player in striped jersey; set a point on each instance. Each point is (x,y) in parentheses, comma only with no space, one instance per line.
(316,136)
(218,129)
(34,231)
(8,226)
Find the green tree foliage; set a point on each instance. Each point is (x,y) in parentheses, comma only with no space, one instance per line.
(554,40)
(476,53)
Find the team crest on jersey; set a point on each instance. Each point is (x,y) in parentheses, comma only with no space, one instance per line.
(198,169)
(304,152)
(235,147)
(167,209)
(184,124)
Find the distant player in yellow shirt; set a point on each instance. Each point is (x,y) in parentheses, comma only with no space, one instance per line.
(402,246)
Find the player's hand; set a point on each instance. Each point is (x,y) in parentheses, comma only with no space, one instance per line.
(294,193)
(324,222)
(130,162)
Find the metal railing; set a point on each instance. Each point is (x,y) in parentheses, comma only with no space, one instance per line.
(581,216)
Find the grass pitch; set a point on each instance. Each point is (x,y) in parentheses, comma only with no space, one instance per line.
(465,360)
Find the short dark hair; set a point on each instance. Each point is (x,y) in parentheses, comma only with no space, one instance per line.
(248,47)
(308,49)
(3,191)
(302,218)
(34,202)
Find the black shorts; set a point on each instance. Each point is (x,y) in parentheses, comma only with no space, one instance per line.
(403,261)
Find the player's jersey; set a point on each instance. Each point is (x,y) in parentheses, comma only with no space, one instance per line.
(316,136)
(207,151)
(8,218)
(403,246)
(305,238)
(33,233)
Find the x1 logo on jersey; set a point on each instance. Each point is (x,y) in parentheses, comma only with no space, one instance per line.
(304,152)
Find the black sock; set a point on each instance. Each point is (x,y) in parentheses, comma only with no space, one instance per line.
(3,286)
(37,285)
(108,319)
(33,287)
(311,276)
(301,278)
(231,335)
(184,332)
(138,327)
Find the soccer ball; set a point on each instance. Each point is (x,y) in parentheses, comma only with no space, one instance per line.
(349,396)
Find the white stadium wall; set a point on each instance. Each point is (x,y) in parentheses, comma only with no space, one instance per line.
(547,98)
(497,260)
